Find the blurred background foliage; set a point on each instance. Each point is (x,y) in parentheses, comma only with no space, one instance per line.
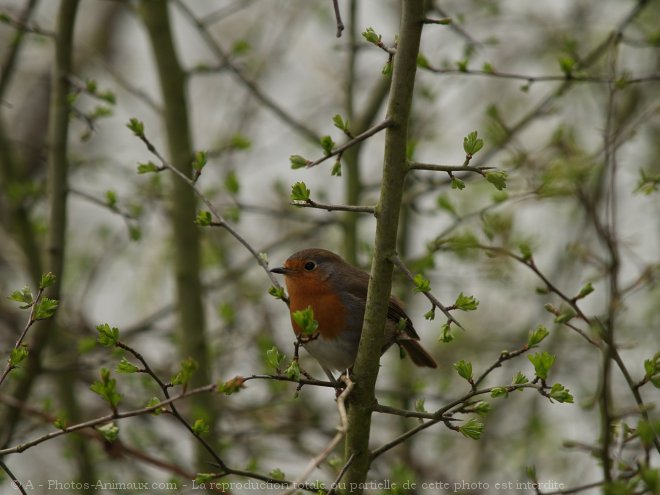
(565,96)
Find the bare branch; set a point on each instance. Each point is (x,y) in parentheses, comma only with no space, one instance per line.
(309,203)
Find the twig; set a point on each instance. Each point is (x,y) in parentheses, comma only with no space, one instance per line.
(448,168)
(434,301)
(309,203)
(219,219)
(340,24)
(117,447)
(341,431)
(359,138)
(105,419)
(14,480)
(251,85)
(31,321)
(342,472)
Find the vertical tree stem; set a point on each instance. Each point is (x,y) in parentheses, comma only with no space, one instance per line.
(394,171)
(183,206)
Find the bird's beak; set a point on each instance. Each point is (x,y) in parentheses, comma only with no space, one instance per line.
(280,269)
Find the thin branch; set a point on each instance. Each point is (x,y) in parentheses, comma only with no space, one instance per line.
(106,419)
(219,219)
(543,78)
(14,480)
(449,168)
(31,321)
(434,301)
(341,432)
(342,472)
(340,24)
(118,447)
(357,139)
(251,85)
(309,203)
(103,204)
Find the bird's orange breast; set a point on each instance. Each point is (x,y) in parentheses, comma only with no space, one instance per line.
(329,311)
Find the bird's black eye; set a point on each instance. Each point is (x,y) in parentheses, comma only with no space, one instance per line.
(309,266)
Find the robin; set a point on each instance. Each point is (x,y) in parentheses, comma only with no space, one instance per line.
(337,293)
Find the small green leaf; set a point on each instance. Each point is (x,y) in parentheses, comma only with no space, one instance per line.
(387,69)
(497,178)
(239,142)
(340,123)
(111,199)
(200,427)
(422,61)
(240,47)
(488,68)
(23,296)
(585,291)
(106,388)
(445,203)
(519,379)
(298,161)
(419,405)
(472,144)
(154,401)
(327,144)
(91,86)
(305,321)
(275,358)
(560,393)
(525,250)
(204,218)
(336,169)
(422,284)
(231,182)
(566,64)
(146,168)
(202,478)
(565,316)
(136,126)
(430,315)
(199,161)
(125,366)
(464,369)
(59,423)
(536,336)
(457,183)
(110,431)
(45,308)
(108,96)
(182,377)
(446,333)
(466,303)
(371,36)
(499,392)
(293,371)
(542,362)
(276,292)
(108,337)
(299,192)
(482,408)
(47,279)
(647,432)
(277,474)
(472,429)
(18,355)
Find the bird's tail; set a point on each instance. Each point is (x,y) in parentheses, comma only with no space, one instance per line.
(417,353)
